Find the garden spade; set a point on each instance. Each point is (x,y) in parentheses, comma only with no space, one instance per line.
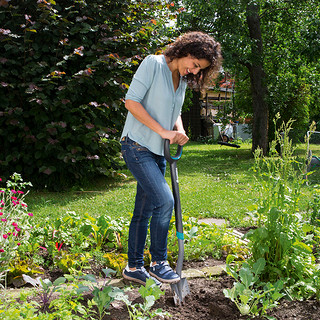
(181,288)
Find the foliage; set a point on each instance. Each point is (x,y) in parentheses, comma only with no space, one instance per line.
(71,241)
(315,208)
(288,37)
(103,230)
(58,301)
(15,223)
(116,261)
(281,261)
(102,296)
(201,240)
(79,233)
(18,267)
(25,311)
(66,66)
(71,262)
(282,238)
(141,311)
(45,288)
(249,299)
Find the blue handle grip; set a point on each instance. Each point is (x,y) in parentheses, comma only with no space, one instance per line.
(167,153)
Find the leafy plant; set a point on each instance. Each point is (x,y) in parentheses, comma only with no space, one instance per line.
(102,295)
(28,310)
(315,208)
(68,303)
(116,261)
(71,262)
(66,67)
(66,230)
(63,306)
(142,311)
(45,288)
(201,240)
(18,267)
(103,230)
(282,237)
(248,293)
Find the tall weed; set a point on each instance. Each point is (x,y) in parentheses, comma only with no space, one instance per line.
(282,235)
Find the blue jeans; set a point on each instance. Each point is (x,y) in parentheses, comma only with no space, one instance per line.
(154,200)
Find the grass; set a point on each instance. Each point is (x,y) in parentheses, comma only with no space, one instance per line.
(215,181)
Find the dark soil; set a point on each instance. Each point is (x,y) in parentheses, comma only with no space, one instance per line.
(207,301)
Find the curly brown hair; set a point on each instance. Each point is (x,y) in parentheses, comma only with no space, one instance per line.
(199,45)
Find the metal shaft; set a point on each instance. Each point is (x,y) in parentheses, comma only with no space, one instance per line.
(178,215)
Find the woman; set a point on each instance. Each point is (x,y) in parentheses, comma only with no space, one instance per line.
(154,101)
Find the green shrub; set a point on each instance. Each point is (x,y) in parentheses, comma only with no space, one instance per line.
(64,71)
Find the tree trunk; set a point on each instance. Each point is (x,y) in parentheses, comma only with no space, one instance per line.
(258,82)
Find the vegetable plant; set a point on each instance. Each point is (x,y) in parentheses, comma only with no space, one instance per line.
(45,288)
(248,293)
(142,311)
(103,230)
(102,295)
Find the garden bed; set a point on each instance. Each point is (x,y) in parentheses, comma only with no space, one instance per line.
(205,301)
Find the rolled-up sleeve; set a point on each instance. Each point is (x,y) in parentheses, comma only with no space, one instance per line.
(142,80)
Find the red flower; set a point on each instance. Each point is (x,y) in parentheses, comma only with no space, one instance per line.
(59,246)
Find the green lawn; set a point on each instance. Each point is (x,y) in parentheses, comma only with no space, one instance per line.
(215,181)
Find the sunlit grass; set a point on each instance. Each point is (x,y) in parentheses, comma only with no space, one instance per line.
(215,181)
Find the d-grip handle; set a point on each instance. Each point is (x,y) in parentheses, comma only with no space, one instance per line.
(167,153)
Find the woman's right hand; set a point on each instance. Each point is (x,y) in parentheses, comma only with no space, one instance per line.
(175,137)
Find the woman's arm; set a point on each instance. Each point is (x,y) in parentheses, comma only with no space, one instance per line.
(179,125)
(140,113)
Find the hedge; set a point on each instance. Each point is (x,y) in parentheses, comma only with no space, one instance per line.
(65,68)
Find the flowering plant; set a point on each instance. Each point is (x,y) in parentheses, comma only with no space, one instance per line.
(14,220)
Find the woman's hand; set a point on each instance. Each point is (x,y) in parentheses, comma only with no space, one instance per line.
(177,137)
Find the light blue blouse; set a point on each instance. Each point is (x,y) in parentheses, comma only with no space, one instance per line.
(152,86)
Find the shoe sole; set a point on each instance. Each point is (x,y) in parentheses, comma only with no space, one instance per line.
(133,279)
(164,280)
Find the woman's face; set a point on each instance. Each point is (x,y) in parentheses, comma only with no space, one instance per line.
(190,64)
